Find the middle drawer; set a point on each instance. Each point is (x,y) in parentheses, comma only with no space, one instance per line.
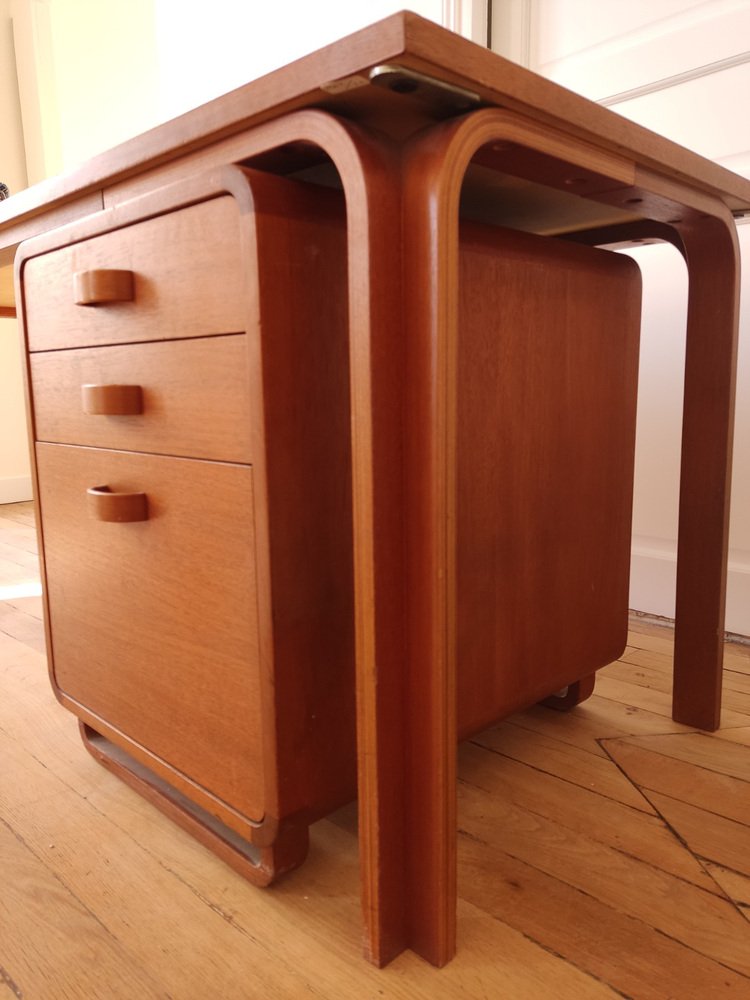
(194,397)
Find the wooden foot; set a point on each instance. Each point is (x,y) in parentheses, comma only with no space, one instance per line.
(259,865)
(572,695)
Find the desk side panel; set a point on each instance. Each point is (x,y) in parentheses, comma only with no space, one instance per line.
(547,371)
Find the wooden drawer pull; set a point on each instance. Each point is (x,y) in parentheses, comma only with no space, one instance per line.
(108,506)
(98,287)
(113,400)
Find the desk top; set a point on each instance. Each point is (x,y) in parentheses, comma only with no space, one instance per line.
(354,78)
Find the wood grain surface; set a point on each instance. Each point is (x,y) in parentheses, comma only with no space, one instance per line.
(153,624)
(182,382)
(569,885)
(187,276)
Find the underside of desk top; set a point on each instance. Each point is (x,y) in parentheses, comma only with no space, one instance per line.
(338,79)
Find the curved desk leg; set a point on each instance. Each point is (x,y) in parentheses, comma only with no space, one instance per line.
(369,174)
(709,245)
(370,178)
(435,164)
(377,390)
(708,422)
(430,270)
(434,168)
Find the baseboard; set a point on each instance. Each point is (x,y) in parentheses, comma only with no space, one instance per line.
(738,596)
(15,490)
(653,570)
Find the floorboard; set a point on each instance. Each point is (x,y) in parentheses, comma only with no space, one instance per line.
(602,854)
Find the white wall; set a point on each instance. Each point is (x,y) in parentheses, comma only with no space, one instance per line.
(15,476)
(105,73)
(88,76)
(202,57)
(681,68)
(77,76)
(96,72)
(12,159)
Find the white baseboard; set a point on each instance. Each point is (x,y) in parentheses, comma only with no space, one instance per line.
(738,597)
(652,584)
(15,490)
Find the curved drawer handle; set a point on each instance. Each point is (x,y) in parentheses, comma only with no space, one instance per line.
(113,400)
(119,507)
(103,285)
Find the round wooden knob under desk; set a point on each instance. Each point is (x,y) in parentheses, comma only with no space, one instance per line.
(103,285)
(112,400)
(106,505)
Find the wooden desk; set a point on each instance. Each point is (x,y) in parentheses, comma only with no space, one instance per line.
(405,117)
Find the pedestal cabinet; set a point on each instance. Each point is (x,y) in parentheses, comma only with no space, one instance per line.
(189,389)
(188,376)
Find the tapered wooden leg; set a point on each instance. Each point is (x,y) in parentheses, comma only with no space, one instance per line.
(708,421)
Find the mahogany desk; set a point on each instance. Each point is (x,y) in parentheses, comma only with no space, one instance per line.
(411,117)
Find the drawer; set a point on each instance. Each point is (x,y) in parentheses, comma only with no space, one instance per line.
(187,282)
(153,623)
(193,397)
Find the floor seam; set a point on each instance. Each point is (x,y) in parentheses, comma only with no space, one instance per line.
(701,862)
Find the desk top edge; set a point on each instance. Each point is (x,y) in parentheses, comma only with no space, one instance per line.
(412,42)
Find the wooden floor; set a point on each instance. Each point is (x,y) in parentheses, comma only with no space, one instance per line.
(605,853)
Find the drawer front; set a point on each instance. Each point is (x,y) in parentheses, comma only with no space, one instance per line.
(153,622)
(187,281)
(192,396)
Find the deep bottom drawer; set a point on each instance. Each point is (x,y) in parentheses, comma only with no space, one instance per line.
(153,623)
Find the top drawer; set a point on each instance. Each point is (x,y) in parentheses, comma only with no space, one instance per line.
(187,282)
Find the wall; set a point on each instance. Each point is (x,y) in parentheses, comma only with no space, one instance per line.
(681,68)
(96,72)
(12,159)
(105,73)
(15,476)
(240,42)
(88,75)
